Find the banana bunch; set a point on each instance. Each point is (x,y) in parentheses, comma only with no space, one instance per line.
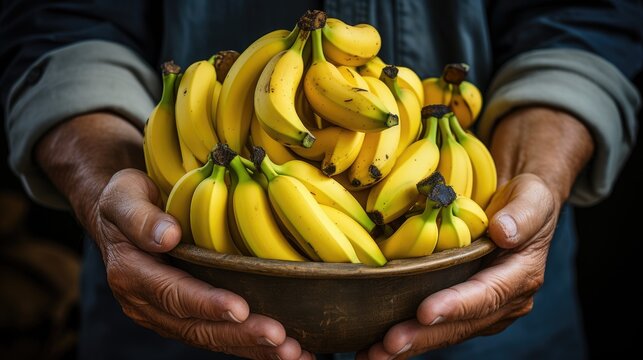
(463,97)
(306,146)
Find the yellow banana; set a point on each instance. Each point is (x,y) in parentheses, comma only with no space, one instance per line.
(324,189)
(236,101)
(274,96)
(410,109)
(453,232)
(337,101)
(180,198)
(455,164)
(437,91)
(335,147)
(255,220)
(472,214)
(484,175)
(407,78)
(417,236)
(378,152)
(361,195)
(305,219)
(232,223)
(193,109)
(396,193)
(365,247)
(466,101)
(161,140)
(208,218)
(351,45)
(275,149)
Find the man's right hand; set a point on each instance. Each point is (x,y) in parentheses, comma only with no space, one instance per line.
(120,211)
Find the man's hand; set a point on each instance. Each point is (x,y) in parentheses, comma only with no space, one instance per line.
(538,153)
(92,160)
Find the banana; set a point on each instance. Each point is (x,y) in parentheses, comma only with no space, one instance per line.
(337,101)
(485,177)
(180,198)
(274,96)
(161,140)
(472,215)
(378,152)
(417,236)
(208,218)
(188,160)
(455,164)
(324,189)
(437,91)
(361,195)
(466,101)
(351,45)
(236,101)
(255,220)
(232,223)
(396,193)
(410,109)
(276,150)
(223,61)
(453,232)
(365,247)
(407,78)
(193,109)
(305,219)
(336,148)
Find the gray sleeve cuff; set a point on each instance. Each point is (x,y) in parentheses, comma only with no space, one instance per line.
(584,85)
(77,79)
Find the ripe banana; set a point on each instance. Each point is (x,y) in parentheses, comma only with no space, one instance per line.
(410,109)
(378,152)
(277,151)
(161,140)
(455,164)
(407,78)
(255,220)
(236,101)
(335,147)
(274,96)
(453,232)
(232,223)
(437,91)
(396,193)
(351,45)
(305,219)
(365,247)
(193,109)
(180,198)
(485,178)
(337,101)
(417,236)
(324,189)
(472,214)
(208,218)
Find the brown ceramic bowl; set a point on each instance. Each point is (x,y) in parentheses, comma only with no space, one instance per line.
(332,307)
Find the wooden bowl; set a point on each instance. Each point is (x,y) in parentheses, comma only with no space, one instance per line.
(330,307)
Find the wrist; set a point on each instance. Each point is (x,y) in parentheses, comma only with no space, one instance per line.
(546,142)
(80,156)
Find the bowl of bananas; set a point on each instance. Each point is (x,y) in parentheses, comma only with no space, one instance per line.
(333,191)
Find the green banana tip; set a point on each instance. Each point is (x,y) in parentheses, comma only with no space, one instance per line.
(435,110)
(312,20)
(222,154)
(392,120)
(169,67)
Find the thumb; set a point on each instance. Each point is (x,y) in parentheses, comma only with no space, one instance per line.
(129,201)
(519,210)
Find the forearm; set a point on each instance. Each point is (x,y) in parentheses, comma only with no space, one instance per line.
(80,156)
(546,142)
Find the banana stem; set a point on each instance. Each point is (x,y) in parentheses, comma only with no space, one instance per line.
(389,77)
(431,211)
(218,171)
(318,50)
(170,72)
(445,129)
(239,169)
(267,169)
(456,128)
(248,164)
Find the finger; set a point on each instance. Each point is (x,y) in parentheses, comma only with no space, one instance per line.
(130,202)
(135,273)
(520,209)
(289,350)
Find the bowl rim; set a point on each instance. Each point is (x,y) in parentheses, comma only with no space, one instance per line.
(322,270)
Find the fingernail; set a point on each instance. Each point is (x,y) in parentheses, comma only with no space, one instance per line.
(437,320)
(228,315)
(404,349)
(159,231)
(266,341)
(275,356)
(508,225)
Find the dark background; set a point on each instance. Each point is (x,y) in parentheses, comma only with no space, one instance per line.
(40,251)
